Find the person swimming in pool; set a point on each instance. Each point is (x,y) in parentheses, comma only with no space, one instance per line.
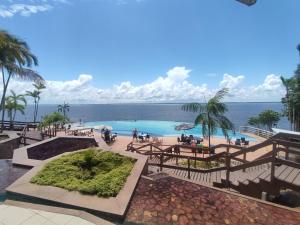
(135,134)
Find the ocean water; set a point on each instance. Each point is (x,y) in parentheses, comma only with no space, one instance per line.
(238,113)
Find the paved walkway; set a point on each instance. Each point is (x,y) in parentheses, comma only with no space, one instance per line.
(174,201)
(11,215)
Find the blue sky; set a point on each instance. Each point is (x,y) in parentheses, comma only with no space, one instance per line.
(126,46)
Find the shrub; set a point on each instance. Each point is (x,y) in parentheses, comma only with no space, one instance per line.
(90,172)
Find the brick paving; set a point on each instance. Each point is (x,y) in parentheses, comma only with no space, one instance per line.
(174,201)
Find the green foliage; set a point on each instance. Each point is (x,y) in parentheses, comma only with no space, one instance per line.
(201,164)
(53,118)
(266,118)
(254,121)
(16,60)
(269,118)
(92,172)
(35,94)
(291,100)
(211,115)
(64,108)
(13,104)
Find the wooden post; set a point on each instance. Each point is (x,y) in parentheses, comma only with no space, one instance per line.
(189,168)
(244,158)
(151,151)
(161,160)
(195,162)
(287,153)
(228,159)
(273,162)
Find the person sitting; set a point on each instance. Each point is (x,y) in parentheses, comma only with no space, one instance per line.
(141,138)
(113,137)
(178,140)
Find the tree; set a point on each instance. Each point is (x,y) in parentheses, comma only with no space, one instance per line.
(14,103)
(53,118)
(291,101)
(269,118)
(16,60)
(254,121)
(64,108)
(211,115)
(35,94)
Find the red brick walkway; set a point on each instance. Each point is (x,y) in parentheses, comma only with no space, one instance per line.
(174,201)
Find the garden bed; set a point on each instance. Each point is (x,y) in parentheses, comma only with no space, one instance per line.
(93,172)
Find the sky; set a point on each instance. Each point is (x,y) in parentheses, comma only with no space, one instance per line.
(112,51)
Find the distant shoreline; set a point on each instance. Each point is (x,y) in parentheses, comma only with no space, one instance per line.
(156,103)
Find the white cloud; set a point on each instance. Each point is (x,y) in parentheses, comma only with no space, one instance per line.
(23,8)
(172,87)
(231,82)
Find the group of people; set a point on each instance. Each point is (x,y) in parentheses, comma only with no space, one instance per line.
(189,139)
(142,137)
(108,136)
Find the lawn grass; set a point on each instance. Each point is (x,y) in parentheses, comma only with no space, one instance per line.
(93,172)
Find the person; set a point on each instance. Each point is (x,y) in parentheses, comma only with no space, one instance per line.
(107,138)
(182,138)
(147,137)
(135,134)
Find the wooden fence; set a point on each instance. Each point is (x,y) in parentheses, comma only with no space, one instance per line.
(166,152)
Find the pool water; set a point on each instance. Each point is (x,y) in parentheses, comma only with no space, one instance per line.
(157,128)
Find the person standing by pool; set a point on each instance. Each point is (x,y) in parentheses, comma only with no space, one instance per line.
(134,134)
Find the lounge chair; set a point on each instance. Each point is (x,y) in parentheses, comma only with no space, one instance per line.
(237,142)
(243,139)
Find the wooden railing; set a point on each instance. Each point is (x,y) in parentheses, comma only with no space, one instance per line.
(18,125)
(225,157)
(257,131)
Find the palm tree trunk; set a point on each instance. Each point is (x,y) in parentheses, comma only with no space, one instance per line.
(35,109)
(5,85)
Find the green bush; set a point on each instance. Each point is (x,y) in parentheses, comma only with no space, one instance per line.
(92,172)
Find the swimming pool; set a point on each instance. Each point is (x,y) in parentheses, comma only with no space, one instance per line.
(157,128)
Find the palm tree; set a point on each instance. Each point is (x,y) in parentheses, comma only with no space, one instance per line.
(35,94)
(64,108)
(15,56)
(211,115)
(14,103)
(289,84)
(15,99)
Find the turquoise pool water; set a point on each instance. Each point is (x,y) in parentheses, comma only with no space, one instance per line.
(156,128)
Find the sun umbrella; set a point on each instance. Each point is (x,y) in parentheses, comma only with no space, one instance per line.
(102,127)
(80,128)
(185,126)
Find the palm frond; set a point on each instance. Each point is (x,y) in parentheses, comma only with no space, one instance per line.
(220,94)
(192,107)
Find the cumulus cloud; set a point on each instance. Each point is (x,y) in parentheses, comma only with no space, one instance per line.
(231,82)
(26,8)
(174,86)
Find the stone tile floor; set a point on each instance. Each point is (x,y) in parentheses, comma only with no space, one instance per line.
(11,215)
(9,173)
(174,201)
